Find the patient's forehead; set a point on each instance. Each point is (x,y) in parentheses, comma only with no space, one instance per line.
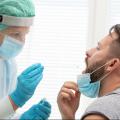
(108,39)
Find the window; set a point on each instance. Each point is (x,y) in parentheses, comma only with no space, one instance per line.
(58,41)
(114,12)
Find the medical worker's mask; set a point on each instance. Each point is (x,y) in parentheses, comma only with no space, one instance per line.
(86,87)
(10,47)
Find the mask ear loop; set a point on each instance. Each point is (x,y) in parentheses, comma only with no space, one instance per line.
(104,76)
(99,68)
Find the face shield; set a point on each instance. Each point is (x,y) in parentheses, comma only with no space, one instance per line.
(16,21)
(11,47)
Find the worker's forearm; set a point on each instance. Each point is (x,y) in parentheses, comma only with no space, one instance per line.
(6,108)
(15,107)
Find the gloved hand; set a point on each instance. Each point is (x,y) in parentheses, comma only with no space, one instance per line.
(27,83)
(40,111)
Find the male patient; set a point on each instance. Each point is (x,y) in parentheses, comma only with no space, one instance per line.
(101,79)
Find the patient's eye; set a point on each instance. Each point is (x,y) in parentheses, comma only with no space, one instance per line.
(98,47)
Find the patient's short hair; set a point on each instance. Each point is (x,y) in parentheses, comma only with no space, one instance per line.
(116,29)
(115,45)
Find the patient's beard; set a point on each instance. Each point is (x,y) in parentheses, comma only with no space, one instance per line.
(95,76)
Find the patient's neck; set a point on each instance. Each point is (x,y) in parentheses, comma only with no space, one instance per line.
(108,85)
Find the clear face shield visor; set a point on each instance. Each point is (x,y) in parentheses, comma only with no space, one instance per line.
(11,46)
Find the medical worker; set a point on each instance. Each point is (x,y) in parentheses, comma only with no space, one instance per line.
(16,17)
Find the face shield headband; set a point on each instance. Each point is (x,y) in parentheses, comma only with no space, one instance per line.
(16,21)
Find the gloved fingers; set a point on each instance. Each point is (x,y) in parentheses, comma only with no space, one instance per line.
(45,103)
(31,68)
(35,72)
(41,113)
(27,116)
(29,85)
(45,109)
(34,81)
(27,80)
(42,101)
(32,85)
(36,117)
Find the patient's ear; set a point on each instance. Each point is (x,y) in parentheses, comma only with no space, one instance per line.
(113,64)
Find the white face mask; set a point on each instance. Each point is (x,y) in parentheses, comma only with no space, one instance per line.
(10,47)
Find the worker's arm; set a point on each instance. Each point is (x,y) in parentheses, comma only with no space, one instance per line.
(15,107)
(27,83)
(6,108)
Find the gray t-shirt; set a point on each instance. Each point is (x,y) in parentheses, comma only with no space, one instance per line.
(107,105)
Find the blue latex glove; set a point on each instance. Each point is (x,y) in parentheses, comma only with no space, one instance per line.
(40,111)
(27,83)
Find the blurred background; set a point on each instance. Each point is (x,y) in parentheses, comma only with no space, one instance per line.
(63,30)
